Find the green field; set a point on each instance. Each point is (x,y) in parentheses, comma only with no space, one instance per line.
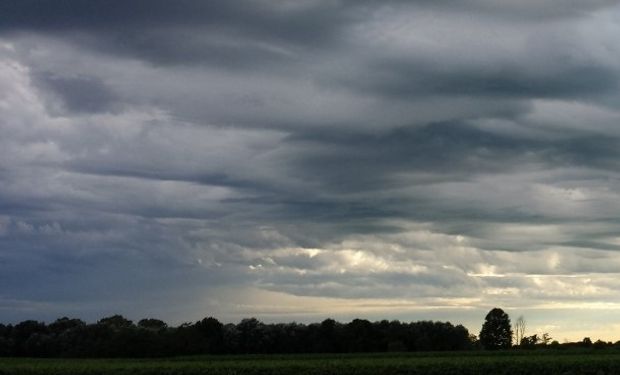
(581,362)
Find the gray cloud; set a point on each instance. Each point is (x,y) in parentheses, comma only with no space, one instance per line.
(80,94)
(409,79)
(186,32)
(308,159)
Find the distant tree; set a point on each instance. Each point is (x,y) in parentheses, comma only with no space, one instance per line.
(519,329)
(6,343)
(496,332)
(586,342)
(474,342)
(289,338)
(22,333)
(211,334)
(327,339)
(252,336)
(600,344)
(529,342)
(6,347)
(64,324)
(116,322)
(554,344)
(232,338)
(152,324)
(116,336)
(360,336)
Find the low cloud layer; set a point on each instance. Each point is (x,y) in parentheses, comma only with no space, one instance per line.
(295,160)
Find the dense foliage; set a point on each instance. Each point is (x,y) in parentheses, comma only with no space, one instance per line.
(116,336)
(496,332)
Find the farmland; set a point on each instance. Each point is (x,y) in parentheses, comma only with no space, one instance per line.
(536,362)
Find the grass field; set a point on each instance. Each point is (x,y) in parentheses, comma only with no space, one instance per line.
(548,363)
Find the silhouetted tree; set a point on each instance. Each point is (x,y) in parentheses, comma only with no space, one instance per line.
(232,339)
(28,337)
(600,344)
(6,343)
(529,342)
(64,324)
(116,336)
(152,324)
(519,329)
(496,332)
(586,342)
(211,335)
(360,336)
(116,322)
(65,334)
(327,340)
(252,337)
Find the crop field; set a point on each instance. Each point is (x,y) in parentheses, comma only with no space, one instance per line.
(548,363)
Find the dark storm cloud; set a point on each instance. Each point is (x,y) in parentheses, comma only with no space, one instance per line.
(247,34)
(459,150)
(532,11)
(223,33)
(345,161)
(81,94)
(446,151)
(409,79)
(280,19)
(592,245)
(341,163)
(248,17)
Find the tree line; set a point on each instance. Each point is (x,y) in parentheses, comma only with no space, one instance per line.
(116,336)
(498,333)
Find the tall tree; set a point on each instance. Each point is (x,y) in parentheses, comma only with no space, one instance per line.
(496,332)
(519,329)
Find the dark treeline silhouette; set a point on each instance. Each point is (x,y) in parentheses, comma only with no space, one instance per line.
(116,336)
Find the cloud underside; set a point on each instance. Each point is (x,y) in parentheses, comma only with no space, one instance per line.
(391,157)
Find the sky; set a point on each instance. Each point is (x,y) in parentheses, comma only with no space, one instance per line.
(298,160)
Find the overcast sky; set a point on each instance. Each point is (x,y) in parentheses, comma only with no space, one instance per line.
(295,160)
